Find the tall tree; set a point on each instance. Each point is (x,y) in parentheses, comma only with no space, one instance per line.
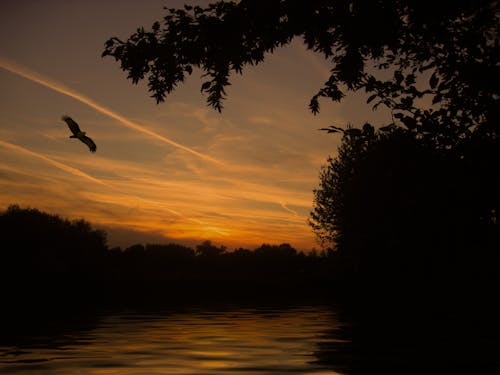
(391,203)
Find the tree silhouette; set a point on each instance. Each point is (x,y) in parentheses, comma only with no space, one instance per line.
(392,205)
(455,42)
(37,245)
(40,248)
(399,221)
(207,249)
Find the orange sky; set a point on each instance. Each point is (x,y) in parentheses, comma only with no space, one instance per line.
(178,171)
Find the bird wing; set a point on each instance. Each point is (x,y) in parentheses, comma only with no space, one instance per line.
(73,126)
(89,142)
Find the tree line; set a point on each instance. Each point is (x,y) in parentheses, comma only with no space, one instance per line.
(43,248)
(40,247)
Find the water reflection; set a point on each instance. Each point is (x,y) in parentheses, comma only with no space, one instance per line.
(237,340)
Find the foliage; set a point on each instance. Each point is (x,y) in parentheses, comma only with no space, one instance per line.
(453,41)
(328,217)
(207,249)
(45,243)
(390,202)
(38,248)
(39,253)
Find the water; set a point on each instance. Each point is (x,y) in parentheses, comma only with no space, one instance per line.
(304,339)
(229,340)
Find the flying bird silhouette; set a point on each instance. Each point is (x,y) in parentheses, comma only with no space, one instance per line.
(77,133)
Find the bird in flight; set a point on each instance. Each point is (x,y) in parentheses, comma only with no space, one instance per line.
(77,133)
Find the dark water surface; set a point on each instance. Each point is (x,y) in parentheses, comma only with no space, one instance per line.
(304,339)
(229,340)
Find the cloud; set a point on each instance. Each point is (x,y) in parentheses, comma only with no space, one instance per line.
(55,163)
(261,193)
(288,209)
(37,78)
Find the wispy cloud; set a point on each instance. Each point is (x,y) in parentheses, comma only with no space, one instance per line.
(55,163)
(288,209)
(261,192)
(44,81)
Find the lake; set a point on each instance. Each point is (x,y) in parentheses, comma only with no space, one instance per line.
(308,339)
(223,340)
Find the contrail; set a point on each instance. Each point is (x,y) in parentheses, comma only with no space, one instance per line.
(284,206)
(84,175)
(55,163)
(37,78)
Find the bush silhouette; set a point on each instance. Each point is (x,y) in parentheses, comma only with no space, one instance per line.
(36,243)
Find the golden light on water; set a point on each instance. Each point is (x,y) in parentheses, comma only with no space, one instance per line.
(238,341)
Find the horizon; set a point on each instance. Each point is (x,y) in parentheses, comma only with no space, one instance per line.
(125,238)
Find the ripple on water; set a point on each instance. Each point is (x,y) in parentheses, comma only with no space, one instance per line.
(202,341)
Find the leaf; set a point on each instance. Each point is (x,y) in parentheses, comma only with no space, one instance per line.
(398,76)
(330,130)
(206,86)
(386,128)
(433,81)
(410,79)
(314,105)
(409,122)
(371,98)
(436,99)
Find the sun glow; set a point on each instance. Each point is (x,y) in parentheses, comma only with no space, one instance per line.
(257,189)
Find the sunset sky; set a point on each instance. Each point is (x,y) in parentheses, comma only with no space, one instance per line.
(178,171)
